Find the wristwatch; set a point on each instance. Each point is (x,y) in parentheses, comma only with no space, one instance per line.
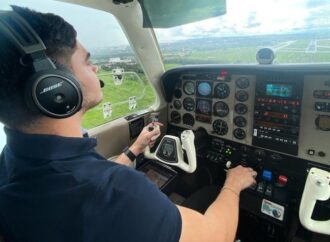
(129,154)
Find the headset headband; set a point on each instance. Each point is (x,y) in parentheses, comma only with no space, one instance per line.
(28,42)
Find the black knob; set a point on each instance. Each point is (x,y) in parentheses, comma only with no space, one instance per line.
(276,213)
(177,93)
(321,154)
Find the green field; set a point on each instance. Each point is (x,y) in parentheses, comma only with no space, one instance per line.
(243,51)
(118,96)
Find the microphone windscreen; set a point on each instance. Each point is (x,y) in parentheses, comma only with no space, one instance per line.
(101,83)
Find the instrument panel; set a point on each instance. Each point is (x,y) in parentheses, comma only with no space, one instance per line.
(280,108)
(220,106)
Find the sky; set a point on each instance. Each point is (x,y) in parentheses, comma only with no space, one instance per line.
(97,28)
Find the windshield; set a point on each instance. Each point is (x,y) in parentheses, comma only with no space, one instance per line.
(297,30)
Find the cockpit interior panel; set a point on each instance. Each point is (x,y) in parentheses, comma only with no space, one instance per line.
(285,109)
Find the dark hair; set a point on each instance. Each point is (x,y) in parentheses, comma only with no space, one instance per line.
(59,38)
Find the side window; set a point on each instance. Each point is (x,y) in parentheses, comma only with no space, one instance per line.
(126,89)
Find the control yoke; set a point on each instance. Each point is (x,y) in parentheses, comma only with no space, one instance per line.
(317,187)
(170,151)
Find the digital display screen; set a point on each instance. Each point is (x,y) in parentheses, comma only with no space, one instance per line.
(204,106)
(279,90)
(157,178)
(204,88)
(204,110)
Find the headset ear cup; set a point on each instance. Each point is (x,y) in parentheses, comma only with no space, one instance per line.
(55,93)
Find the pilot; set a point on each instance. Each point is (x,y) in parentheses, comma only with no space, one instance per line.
(55,187)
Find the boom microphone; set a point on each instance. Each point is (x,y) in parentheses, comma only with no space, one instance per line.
(101,83)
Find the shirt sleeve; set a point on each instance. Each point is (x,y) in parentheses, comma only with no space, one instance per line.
(128,207)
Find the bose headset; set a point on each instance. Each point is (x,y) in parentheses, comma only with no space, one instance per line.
(53,92)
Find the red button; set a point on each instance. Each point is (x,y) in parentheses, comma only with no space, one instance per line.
(283,180)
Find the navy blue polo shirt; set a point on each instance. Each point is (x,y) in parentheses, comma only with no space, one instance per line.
(55,188)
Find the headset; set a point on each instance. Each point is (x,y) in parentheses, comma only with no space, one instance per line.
(52,91)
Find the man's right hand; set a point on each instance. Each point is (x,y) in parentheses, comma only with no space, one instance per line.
(219,223)
(240,177)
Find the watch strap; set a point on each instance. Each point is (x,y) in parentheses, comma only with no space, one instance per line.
(129,154)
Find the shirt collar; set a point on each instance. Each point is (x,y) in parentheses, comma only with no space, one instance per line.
(47,147)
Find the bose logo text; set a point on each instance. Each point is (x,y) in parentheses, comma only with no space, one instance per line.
(47,89)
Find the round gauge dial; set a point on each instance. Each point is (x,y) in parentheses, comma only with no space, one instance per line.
(220,109)
(204,89)
(221,90)
(203,106)
(189,88)
(189,104)
(239,133)
(241,108)
(240,121)
(177,93)
(175,117)
(177,104)
(188,119)
(220,127)
(242,96)
(242,83)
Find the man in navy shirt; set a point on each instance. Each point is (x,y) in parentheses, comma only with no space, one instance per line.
(55,187)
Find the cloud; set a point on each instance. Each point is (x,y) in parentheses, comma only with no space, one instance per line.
(253,17)
(248,18)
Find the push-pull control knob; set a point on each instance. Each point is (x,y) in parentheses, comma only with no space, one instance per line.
(228,164)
